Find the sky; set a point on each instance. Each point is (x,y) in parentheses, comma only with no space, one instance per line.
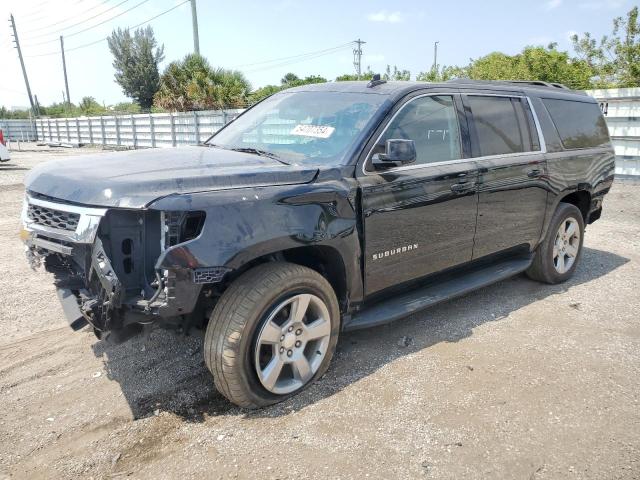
(260,38)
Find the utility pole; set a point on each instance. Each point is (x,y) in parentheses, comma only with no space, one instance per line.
(435,57)
(357,57)
(194,20)
(24,70)
(64,69)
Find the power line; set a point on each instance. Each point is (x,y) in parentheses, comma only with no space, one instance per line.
(292,62)
(330,50)
(67,50)
(71,18)
(92,26)
(37,10)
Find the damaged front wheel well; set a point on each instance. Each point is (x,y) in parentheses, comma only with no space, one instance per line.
(324,260)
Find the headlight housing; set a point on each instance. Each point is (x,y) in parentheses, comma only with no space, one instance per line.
(179,227)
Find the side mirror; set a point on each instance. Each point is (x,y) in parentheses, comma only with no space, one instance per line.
(397,152)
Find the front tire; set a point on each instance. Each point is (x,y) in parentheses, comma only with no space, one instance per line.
(272,333)
(558,255)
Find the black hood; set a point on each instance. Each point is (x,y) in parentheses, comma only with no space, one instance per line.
(136,178)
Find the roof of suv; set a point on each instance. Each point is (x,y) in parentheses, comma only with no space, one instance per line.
(397,89)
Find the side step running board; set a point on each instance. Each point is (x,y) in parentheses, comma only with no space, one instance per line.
(423,297)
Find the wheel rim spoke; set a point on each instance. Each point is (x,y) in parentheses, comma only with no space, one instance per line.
(299,307)
(318,329)
(271,333)
(302,369)
(571,229)
(571,250)
(272,372)
(560,264)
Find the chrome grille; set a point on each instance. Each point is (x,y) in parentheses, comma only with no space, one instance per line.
(53,218)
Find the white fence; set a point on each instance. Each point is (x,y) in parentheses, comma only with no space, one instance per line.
(140,130)
(621,108)
(18,129)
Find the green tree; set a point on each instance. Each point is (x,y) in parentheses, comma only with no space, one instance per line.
(290,79)
(5,113)
(397,75)
(61,109)
(192,84)
(136,59)
(351,77)
(89,106)
(534,63)
(263,92)
(125,107)
(614,59)
(442,74)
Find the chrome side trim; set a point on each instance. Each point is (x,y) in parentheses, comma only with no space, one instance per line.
(85,232)
(543,144)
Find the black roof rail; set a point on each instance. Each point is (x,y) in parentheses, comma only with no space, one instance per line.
(539,83)
(532,83)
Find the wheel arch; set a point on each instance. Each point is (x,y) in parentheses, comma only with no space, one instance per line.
(325,260)
(581,199)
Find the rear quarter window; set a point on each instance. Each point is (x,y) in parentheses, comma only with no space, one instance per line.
(579,124)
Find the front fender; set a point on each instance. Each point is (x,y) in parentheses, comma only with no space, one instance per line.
(244,224)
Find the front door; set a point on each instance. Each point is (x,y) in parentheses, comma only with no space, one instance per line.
(512,184)
(419,218)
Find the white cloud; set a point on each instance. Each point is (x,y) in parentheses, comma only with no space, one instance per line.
(553,4)
(384,16)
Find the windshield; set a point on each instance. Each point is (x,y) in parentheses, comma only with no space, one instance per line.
(302,127)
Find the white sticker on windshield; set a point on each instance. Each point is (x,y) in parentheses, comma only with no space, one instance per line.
(317,131)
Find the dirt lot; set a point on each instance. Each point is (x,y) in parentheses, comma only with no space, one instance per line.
(518,380)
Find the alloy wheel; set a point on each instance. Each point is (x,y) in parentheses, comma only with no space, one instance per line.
(292,343)
(566,245)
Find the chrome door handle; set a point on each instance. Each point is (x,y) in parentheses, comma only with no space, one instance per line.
(462,187)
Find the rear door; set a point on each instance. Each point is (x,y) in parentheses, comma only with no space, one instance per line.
(512,185)
(419,218)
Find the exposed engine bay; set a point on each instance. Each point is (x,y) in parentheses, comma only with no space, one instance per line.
(107,263)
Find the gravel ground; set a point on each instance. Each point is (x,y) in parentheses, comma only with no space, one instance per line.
(517,380)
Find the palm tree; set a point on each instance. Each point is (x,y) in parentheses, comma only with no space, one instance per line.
(192,84)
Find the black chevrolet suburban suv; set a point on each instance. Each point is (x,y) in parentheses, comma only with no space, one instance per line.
(323,208)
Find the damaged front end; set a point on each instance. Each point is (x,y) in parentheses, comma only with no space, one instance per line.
(107,263)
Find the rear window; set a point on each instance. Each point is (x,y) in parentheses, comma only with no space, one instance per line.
(579,124)
(503,125)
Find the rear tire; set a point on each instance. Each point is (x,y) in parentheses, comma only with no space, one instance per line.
(267,319)
(558,255)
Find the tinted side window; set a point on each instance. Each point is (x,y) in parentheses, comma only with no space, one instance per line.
(431,122)
(503,125)
(579,124)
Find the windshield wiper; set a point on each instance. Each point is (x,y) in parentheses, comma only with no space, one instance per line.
(262,153)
